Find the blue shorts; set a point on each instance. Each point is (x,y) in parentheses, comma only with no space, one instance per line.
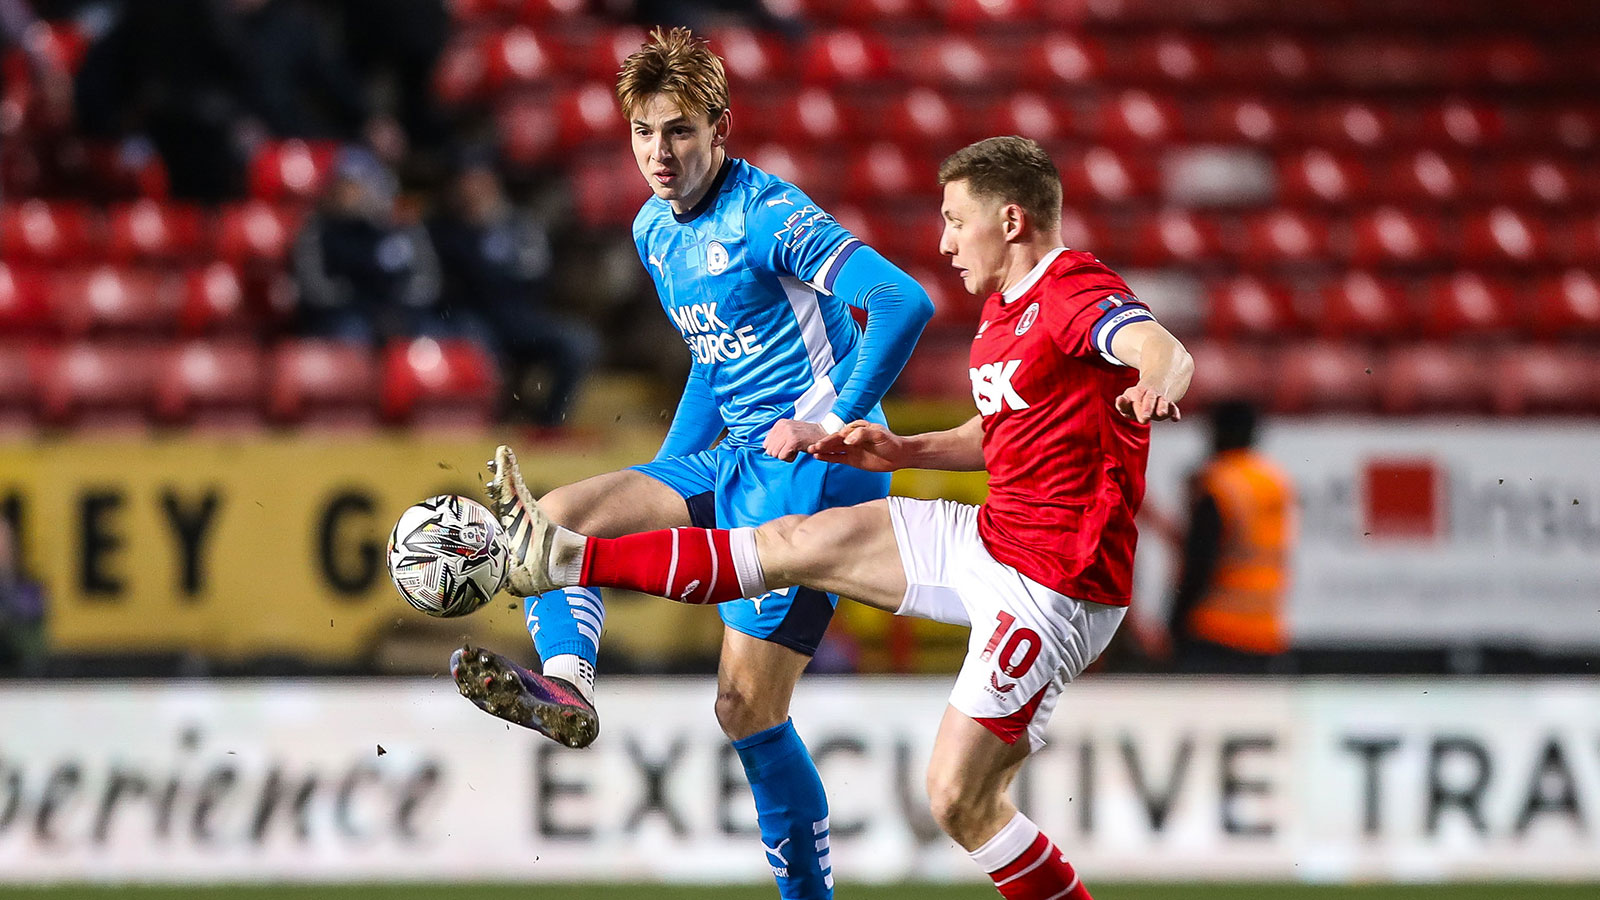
(742,486)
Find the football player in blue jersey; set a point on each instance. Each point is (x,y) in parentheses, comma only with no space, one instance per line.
(759,282)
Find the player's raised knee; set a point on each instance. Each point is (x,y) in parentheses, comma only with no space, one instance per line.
(956,808)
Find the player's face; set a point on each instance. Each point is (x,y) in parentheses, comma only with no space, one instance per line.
(678,154)
(974,238)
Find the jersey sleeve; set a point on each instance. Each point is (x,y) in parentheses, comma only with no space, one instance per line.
(793,236)
(1089,330)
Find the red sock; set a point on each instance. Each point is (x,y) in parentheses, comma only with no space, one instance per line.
(1038,872)
(690,565)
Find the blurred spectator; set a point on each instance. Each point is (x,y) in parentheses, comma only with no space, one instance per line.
(22,644)
(363,274)
(208,79)
(1228,615)
(395,44)
(496,262)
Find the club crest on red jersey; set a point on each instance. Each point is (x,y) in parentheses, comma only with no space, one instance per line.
(1029,316)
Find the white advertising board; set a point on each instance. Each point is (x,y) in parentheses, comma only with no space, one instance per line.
(1142,779)
(1419,532)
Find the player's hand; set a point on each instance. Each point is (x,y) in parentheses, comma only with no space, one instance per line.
(865,445)
(1144,404)
(789,437)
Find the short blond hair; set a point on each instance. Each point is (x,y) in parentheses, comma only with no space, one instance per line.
(1009,170)
(679,65)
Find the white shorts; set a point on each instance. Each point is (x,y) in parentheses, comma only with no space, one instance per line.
(1027,640)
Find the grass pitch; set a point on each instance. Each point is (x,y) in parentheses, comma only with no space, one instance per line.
(1109,891)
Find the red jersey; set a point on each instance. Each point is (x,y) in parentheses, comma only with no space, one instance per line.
(1066,471)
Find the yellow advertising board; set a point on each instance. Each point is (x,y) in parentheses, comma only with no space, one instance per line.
(261,546)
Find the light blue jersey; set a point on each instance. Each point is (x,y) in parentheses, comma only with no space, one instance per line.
(748,282)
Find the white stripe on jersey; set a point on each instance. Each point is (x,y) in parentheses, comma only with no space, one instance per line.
(819,280)
(818,400)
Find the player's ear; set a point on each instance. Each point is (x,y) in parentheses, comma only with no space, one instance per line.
(1013,218)
(720,127)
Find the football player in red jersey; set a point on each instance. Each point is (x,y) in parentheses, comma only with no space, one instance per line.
(1068,371)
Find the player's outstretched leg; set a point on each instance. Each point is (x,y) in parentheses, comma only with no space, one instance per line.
(529,531)
(565,626)
(500,687)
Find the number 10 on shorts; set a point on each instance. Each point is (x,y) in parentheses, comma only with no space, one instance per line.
(1017,656)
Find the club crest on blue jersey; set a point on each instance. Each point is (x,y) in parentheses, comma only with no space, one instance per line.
(716,258)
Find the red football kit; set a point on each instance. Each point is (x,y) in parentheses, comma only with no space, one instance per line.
(1066,471)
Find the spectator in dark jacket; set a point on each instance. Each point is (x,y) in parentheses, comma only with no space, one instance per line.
(496,261)
(363,274)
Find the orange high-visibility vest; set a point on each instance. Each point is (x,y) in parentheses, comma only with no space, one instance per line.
(1244,607)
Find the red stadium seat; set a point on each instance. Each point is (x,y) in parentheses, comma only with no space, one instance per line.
(1361,305)
(1253,120)
(1082,232)
(953,307)
(1247,306)
(1285,236)
(1178,236)
(1372,61)
(887,170)
(796,165)
(1176,59)
(107,299)
(1581,241)
(1540,180)
(1136,116)
(1503,235)
(949,60)
(324,384)
(1224,371)
(1507,60)
(919,117)
(1275,59)
(529,130)
(1060,59)
(213,300)
(1033,115)
(19,385)
(459,75)
(1547,380)
(99,385)
(1392,236)
(256,231)
(1320,376)
(211,385)
(1567,306)
(40,231)
(855,13)
(751,56)
(966,14)
(125,170)
(146,230)
(1574,128)
(1460,123)
(1467,304)
(844,56)
(607,191)
(434,383)
(1428,378)
(1426,176)
(1351,125)
(22,306)
(1100,173)
(548,11)
(599,54)
(1319,176)
(590,113)
(811,115)
(515,57)
(291,170)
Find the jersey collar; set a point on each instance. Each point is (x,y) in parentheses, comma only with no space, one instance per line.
(711,195)
(1032,278)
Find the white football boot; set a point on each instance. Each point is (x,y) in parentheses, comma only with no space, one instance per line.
(529,532)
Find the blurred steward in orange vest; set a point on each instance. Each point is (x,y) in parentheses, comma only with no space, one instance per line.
(1229,615)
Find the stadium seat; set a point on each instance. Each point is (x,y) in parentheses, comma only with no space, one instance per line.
(844,56)
(529,130)
(146,231)
(798,164)
(513,58)
(1426,176)
(1466,304)
(1371,61)
(106,299)
(539,12)
(751,56)
(1138,117)
(607,192)
(1084,232)
(1538,180)
(1320,176)
(1506,236)
(458,77)
(129,169)
(291,170)
(19,387)
(1567,306)
(210,384)
(99,385)
(41,231)
(1580,241)
(1178,60)
(589,113)
(596,54)
(919,117)
(1063,60)
(323,384)
(1284,236)
(1430,378)
(1031,114)
(1363,306)
(1323,376)
(950,61)
(1104,175)
(811,115)
(1349,125)
(1575,128)
(1231,120)
(256,232)
(1225,371)
(213,300)
(1246,306)
(1175,236)
(857,13)
(439,383)
(1534,379)
(887,170)
(22,306)
(1463,124)
(1392,236)
(1507,60)
(969,14)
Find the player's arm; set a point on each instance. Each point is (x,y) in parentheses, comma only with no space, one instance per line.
(870,446)
(1165,368)
(697,422)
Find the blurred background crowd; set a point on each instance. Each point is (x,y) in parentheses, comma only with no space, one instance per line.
(326,216)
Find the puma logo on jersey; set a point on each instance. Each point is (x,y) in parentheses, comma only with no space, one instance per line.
(656,261)
(688,589)
(781,201)
(991,387)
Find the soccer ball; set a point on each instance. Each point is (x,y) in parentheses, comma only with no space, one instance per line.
(447,555)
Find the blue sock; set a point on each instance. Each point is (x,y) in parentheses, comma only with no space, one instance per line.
(566,622)
(791,809)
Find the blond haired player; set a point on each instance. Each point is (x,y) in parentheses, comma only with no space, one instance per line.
(1068,370)
(759,282)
